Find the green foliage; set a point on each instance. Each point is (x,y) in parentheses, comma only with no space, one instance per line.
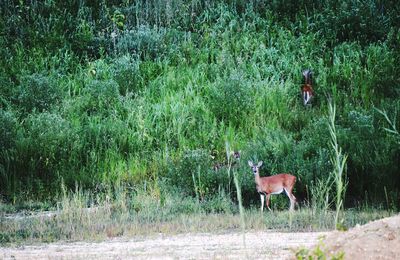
(194,175)
(392,129)
(37,92)
(339,163)
(146,91)
(8,129)
(100,96)
(350,20)
(366,74)
(8,139)
(126,72)
(144,41)
(6,91)
(319,252)
(231,99)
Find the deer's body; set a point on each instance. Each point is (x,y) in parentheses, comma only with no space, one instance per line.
(307,91)
(275,184)
(308,94)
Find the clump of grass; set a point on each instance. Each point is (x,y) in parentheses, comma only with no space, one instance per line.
(319,252)
(321,199)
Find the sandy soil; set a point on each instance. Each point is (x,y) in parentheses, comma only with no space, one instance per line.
(379,239)
(259,245)
(376,240)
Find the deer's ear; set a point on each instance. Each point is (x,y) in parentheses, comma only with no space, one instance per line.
(250,163)
(260,163)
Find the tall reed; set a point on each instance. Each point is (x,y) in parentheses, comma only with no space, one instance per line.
(229,156)
(339,163)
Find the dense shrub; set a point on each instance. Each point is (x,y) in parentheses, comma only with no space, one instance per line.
(364,21)
(231,99)
(100,97)
(6,92)
(194,174)
(126,73)
(8,138)
(45,142)
(191,163)
(37,92)
(382,68)
(144,41)
(369,152)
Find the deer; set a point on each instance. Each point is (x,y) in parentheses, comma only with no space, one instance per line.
(307,92)
(276,184)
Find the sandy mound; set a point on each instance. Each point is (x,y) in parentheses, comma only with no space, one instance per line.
(379,239)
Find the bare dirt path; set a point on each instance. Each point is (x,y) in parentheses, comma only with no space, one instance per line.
(259,245)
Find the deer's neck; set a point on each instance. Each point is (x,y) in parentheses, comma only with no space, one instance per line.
(257,178)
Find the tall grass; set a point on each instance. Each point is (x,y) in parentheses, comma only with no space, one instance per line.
(229,156)
(81,215)
(339,164)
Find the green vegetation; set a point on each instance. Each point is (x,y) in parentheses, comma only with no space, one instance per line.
(318,253)
(119,100)
(339,162)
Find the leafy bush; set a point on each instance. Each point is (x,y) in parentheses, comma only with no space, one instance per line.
(6,91)
(231,99)
(194,175)
(8,129)
(100,96)
(350,20)
(46,144)
(381,69)
(126,72)
(83,39)
(368,152)
(37,92)
(144,41)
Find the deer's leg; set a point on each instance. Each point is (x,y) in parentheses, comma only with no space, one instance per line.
(305,97)
(291,205)
(262,201)
(268,197)
(292,198)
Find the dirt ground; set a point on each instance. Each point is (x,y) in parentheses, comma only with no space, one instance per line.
(379,239)
(376,240)
(259,245)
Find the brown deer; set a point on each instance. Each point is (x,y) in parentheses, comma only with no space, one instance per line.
(307,92)
(275,184)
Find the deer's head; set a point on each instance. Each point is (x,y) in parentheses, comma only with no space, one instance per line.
(255,168)
(236,154)
(307,76)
